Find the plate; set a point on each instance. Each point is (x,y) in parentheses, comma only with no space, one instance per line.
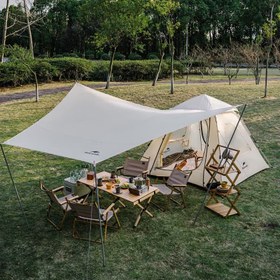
(221,189)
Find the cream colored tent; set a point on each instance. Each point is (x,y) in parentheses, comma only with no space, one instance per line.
(203,136)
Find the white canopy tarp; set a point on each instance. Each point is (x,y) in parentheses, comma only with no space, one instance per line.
(92,126)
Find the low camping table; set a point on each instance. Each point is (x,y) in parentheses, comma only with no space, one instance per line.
(135,200)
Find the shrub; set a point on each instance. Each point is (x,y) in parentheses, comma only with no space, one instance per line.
(119,56)
(14,74)
(44,70)
(134,56)
(71,68)
(105,56)
(152,56)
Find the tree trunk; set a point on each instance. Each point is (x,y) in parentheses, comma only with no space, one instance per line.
(187,40)
(159,69)
(172,67)
(110,68)
(268,52)
(36,88)
(28,28)
(257,72)
(266,75)
(5,27)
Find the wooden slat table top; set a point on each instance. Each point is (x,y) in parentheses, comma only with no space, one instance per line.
(125,194)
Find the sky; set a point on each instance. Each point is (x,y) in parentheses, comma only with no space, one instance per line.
(12,2)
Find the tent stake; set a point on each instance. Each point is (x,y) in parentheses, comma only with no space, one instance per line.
(13,183)
(211,183)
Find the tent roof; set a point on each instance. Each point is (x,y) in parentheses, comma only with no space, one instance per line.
(203,102)
(88,125)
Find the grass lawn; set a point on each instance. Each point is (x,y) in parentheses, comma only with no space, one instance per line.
(168,246)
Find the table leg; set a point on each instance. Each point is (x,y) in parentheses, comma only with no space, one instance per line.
(143,210)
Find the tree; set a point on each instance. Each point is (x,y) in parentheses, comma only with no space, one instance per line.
(117,20)
(230,59)
(166,11)
(5,27)
(269,29)
(252,55)
(24,57)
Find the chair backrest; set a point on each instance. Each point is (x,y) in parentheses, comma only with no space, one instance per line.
(50,194)
(87,211)
(178,177)
(134,167)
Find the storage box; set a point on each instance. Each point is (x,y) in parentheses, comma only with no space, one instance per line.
(69,185)
(135,191)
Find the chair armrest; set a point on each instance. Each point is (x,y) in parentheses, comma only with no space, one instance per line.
(58,189)
(176,185)
(118,169)
(108,209)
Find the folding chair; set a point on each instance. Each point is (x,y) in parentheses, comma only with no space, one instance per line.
(134,168)
(174,187)
(58,201)
(89,213)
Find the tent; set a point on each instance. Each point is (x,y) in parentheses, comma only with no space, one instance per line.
(92,126)
(204,136)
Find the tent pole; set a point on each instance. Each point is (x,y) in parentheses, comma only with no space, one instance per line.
(211,182)
(13,183)
(100,226)
(99,216)
(163,138)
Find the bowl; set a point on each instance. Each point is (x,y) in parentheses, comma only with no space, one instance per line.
(109,185)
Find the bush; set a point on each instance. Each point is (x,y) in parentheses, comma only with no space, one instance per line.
(134,56)
(71,68)
(44,70)
(119,56)
(105,56)
(14,74)
(152,56)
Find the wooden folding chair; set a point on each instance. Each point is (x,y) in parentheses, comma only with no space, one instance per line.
(89,213)
(174,187)
(134,168)
(58,201)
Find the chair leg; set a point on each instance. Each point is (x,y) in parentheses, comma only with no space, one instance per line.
(116,217)
(60,224)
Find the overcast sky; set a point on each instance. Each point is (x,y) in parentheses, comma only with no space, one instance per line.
(12,2)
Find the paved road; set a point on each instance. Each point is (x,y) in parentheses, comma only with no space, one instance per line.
(31,94)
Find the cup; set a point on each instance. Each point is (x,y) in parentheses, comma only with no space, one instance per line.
(99,182)
(118,188)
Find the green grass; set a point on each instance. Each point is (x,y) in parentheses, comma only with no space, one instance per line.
(168,246)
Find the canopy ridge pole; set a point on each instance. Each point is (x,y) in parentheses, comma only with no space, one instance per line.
(211,182)
(14,185)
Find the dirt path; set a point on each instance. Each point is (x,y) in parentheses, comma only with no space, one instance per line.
(31,94)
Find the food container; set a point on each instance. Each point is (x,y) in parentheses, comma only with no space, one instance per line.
(90,175)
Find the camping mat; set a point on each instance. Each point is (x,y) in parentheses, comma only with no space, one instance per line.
(189,153)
